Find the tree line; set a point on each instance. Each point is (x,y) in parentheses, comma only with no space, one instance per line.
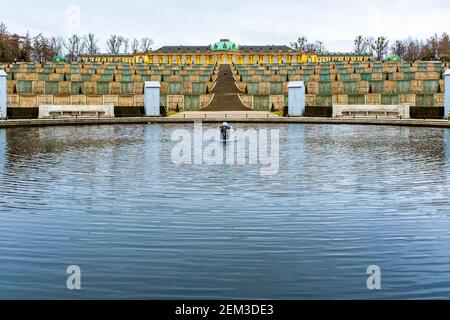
(435,48)
(39,48)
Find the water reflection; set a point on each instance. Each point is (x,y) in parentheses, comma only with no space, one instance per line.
(446,140)
(109,199)
(2,149)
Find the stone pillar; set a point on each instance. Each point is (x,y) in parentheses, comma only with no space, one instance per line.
(447,94)
(152,99)
(3,110)
(296,98)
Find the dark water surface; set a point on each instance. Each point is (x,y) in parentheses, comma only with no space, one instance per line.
(109,200)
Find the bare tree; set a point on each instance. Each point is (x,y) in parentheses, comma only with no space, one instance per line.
(300,44)
(399,48)
(74,47)
(4,42)
(135,45)
(360,45)
(42,49)
(25,48)
(444,47)
(146,44)
(433,47)
(57,44)
(126,44)
(380,47)
(412,50)
(114,44)
(90,44)
(310,47)
(319,47)
(369,42)
(3,30)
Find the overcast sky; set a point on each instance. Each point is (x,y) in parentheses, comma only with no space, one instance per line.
(175,22)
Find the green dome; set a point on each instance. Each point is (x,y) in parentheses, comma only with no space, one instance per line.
(393,58)
(224,45)
(58,58)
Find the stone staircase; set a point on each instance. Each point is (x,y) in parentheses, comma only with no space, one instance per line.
(226,93)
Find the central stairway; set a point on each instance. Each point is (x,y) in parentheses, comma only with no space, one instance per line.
(226,93)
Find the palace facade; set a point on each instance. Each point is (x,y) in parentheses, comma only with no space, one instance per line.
(224,52)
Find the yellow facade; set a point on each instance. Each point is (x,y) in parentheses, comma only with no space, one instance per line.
(224,52)
(226,58)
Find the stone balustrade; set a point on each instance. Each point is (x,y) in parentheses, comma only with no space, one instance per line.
(372,111)
(76,111)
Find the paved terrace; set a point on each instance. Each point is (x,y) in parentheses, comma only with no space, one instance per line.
(225,115)
(220,117)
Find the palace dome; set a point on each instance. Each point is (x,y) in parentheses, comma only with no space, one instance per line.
(224,45)
(59,58)
(393,58)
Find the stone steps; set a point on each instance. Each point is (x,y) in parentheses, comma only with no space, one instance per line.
(226,93)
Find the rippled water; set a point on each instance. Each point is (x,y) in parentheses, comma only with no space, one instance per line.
(109,199)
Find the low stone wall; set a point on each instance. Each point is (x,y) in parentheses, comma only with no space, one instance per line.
(23,113)
(77,111)
(371,111)
(173,101)
(205,100)
(424,100)
(277,102)
(322,112)
(121,112)
(427,112)
(33,101)
(33,113)
(247,100)
(137,101)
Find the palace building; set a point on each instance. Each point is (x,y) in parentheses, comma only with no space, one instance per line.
(225,52)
